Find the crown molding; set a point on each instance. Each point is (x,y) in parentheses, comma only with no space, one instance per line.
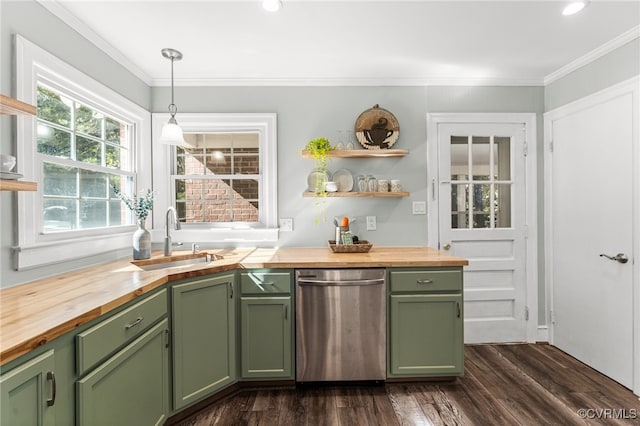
(337,82)
(85,31)
(596,53)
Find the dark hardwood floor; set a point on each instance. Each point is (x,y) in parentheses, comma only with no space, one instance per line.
(503,385)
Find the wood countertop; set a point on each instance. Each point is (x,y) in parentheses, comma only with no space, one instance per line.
(35,313)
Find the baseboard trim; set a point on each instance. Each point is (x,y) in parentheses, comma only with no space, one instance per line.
(543,334)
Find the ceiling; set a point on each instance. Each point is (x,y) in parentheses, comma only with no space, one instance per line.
(351,42)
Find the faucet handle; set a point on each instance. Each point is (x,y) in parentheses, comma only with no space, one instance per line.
(195,248)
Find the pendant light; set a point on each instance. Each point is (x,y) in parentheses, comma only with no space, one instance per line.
(171,132)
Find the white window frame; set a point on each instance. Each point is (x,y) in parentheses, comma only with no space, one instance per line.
(34,249)
(262,123)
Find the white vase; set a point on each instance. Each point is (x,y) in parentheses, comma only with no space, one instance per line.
(141,242)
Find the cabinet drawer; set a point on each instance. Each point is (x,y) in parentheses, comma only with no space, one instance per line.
(112,333)
(257,282)
(425,281)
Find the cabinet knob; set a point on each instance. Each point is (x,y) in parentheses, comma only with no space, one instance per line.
(446,246)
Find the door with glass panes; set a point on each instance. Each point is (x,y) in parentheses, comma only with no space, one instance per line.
(482,218)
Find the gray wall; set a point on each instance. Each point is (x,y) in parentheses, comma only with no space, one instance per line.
(35,23)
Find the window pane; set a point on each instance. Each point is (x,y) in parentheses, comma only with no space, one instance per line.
(93,184)
(459,206)
(219,162)
(54,107)
(245,200)
(54,142)
(114,131)
(481,206)
(502,158)
(123,183)
(113,156)
(180,190)
(480,149)
(88,151)
(59,214)
(60,180)
(88,121)
(502,205)
(93,213)
(194,165)
(118,215)
(459,158)
(246,162)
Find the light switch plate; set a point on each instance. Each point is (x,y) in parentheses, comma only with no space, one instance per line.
(371,223)
(286,224)
(419,207)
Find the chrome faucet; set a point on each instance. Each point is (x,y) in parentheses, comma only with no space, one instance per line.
(171,211)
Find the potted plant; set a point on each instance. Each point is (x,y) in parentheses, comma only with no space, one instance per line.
(141,206)
(320,148)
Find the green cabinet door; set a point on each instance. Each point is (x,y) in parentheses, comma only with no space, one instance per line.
(131,387)
(266,343)
(27,393)
(426,335)
(204,337)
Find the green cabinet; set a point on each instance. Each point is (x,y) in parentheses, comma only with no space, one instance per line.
(204,337)
(425,323)
(28,392)
(266,325)
(131,387)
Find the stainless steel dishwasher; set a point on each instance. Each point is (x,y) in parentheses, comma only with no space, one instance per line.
(340,325)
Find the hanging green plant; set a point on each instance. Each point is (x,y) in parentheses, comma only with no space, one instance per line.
(320,148)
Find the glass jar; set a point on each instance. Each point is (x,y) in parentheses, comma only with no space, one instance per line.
(372,183)
(362,183)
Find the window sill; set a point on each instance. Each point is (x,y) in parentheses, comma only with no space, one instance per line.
(219,235)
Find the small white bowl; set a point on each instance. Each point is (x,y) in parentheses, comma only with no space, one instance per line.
(331,186)
(7,162)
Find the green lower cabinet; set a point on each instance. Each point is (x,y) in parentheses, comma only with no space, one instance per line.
(27,393)
(131,387)
(426,335)
(204,337)
(267,333)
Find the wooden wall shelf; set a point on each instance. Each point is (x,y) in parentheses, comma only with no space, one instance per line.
(362,153)
(17,185)
(359,194)
(11,106)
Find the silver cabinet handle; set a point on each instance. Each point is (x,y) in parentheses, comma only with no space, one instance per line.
(52,377)
(134,323)
(458,308)
(620,257)
(231,290)
(267,283)
(424,281)
(286,312)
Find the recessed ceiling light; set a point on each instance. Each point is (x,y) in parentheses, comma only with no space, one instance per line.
(574,7)
(272,5)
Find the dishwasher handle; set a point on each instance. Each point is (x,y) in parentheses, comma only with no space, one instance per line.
(308,282)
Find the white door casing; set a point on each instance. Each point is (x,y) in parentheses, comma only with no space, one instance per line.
(592,207)
(501,283)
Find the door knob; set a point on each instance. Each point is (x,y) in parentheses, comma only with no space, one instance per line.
(620,257)
(446,246)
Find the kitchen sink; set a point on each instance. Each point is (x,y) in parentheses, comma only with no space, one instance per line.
(176,261)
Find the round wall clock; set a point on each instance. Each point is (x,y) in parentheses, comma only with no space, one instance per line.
(377,128)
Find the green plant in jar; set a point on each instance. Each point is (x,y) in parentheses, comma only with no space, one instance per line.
(320,148)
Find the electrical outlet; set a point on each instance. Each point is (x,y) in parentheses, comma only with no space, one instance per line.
(419,207)
(371,223)
(286,224)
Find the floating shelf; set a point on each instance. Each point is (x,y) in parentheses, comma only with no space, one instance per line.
(359,194)
(361,153)
(17,185)
(11,106)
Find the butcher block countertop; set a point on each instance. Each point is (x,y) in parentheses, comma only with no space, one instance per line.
(35,313)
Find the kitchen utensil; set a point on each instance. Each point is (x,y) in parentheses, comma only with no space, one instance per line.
(330,186)
(316,180)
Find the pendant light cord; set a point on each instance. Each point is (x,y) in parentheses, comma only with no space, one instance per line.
(173,109)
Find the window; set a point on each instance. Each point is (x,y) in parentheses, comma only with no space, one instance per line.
(223,182)
(83,154)
(85,139)
(480,182)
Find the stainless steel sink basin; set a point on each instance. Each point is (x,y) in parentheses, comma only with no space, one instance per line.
(175,261)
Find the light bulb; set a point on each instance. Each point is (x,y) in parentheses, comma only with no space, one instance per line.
(574,7)
(271,5)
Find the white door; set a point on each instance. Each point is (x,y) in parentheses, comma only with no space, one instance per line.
(482,212)
(591,213)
